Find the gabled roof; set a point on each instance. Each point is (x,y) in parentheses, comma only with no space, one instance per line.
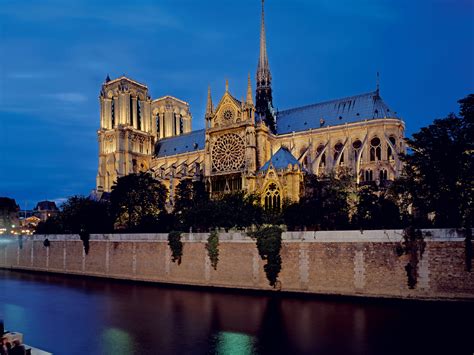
(280,160)
(46,206)
(185,143)
(336,112)
(123,77)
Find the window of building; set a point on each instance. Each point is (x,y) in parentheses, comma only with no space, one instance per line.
(383,175)
(375,149)
(338,151)
(369,175)
(112,112)
(139,115)
(272,197)
(357,145)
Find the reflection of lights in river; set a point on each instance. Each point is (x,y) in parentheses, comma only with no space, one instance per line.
(116,342)
(228,343)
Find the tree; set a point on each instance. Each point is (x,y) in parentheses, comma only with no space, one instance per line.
(237,210)
(438,174)
(375,210)
(136,198)
(325,204)
(79,214)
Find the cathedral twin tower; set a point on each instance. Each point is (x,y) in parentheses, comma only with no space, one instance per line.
(246,145)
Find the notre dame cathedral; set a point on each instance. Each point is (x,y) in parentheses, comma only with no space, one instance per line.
(246,145)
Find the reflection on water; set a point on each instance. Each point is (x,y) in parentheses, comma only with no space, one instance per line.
(234,343)
(92,316)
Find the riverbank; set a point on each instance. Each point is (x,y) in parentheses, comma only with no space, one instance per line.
(343,263)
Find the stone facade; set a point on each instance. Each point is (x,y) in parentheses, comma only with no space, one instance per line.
(340,263)
(246,146)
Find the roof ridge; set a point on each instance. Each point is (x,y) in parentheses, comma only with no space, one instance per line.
(328,102)
(182,135)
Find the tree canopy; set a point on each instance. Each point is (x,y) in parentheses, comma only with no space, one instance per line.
(136,198)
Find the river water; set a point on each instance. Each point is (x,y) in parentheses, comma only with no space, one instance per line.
(72,315)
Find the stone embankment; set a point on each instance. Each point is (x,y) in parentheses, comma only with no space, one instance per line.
(351,263)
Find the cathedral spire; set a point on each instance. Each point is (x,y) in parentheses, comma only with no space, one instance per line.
(264,97)
(209,106)
(249,92)
(263,70)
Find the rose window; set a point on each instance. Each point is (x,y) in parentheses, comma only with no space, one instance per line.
(228,153)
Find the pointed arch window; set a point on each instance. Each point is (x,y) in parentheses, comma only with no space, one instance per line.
(357,145)
(272,198)
(338,151)
(369,175)
(375,149)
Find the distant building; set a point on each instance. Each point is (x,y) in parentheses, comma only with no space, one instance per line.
(246,145)
(45,210)
(9,219)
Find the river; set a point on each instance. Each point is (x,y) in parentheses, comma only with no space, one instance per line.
(73,315)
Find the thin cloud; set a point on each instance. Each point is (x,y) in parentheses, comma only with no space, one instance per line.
(68,97)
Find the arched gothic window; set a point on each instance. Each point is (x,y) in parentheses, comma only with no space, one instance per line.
(383,175)
(272,197)
(322,162)
(113,113)
(337,150)
(357,145)
(369,175)
(375,149)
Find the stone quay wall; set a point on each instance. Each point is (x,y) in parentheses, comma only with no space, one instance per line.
(350,263)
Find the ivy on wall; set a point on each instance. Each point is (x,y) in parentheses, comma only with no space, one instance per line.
(413,245)
(269,247)
(176,246)
(212,247)
(85,237)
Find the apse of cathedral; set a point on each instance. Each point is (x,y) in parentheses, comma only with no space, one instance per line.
(246,145)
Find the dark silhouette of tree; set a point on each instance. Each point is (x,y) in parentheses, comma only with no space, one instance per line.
(375,210)
(438,173)
(135,199)
(79,214)
(324,205)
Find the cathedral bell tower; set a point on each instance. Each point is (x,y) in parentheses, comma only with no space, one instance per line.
(264,99)
(127,132)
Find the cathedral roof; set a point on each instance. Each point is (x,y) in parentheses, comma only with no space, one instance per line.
(332,113)
(280,160)
(184,143)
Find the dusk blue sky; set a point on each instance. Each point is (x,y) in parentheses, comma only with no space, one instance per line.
(55,54)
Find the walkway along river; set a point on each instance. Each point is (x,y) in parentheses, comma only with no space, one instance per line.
(75,315)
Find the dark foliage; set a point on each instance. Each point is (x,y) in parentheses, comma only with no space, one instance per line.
(212,247)
(136,198)
(414,246)
(85,236)
(78,214)
(46,243)
(269,247)
(176,246)
(324,206)
(438,173)
(375,210)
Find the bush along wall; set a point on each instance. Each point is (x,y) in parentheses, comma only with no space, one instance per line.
(269,247)
(176,246)
(212,247)
(413,245)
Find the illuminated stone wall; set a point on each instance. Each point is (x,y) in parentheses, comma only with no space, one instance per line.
(342,263)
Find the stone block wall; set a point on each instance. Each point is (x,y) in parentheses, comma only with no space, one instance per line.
(341,263)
